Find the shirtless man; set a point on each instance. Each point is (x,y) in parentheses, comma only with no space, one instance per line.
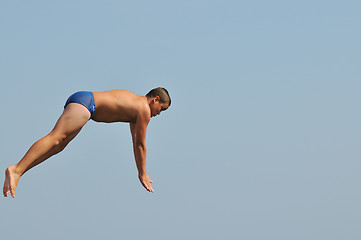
(108,106)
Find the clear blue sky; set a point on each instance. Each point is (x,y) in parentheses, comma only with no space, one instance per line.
(262,141)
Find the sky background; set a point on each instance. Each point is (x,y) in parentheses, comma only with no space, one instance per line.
(262,140)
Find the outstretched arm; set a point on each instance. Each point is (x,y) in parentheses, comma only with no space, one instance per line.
(138,131)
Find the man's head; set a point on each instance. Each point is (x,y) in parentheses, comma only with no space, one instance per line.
(159,100)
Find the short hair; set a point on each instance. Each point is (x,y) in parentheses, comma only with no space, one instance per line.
(162,93)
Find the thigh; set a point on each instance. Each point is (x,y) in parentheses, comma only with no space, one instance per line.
(74,117)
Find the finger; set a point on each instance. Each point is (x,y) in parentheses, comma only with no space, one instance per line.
(145,185)
(150,188)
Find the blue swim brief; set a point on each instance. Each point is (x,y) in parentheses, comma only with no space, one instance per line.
(84,98)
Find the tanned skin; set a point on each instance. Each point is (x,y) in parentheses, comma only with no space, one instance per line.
(111,106)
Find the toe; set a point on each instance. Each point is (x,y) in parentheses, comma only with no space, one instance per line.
(12,192)
(5,190)
(6,193)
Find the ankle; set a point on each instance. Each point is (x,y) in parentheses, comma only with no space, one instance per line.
(15,169)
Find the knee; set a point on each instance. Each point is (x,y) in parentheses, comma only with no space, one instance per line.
(60,144)
(57,139)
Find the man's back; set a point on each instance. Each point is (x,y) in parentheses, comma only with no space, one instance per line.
(118,106)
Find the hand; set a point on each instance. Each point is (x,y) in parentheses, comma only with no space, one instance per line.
(146,182)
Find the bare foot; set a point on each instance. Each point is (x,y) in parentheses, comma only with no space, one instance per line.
(11,181)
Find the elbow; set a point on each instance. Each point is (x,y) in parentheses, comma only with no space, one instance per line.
(140,145)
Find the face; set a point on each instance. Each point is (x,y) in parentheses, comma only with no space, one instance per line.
(157,107)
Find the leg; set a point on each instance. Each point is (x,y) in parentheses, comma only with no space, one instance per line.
(68,126)
(54,150)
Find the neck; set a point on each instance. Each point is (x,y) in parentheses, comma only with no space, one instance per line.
(148,99)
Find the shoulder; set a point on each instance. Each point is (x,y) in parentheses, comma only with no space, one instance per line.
(142,108)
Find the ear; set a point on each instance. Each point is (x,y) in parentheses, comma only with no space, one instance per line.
(157,98)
